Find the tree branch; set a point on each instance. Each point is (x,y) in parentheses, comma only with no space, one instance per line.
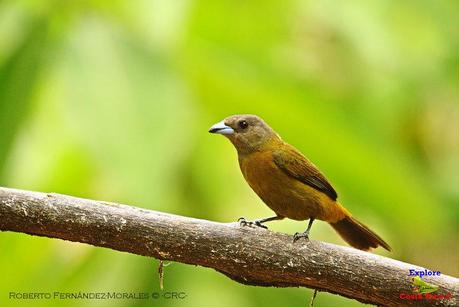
(252,256)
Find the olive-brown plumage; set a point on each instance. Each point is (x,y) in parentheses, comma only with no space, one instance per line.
(288,182)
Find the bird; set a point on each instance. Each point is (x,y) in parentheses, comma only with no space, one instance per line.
(289,183)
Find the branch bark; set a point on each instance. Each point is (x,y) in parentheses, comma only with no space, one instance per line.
(252,256)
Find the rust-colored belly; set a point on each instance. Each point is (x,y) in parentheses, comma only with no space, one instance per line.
(285,195)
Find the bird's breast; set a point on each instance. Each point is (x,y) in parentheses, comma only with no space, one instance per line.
(285,195)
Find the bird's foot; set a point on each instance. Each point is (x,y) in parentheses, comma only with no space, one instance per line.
(243,222)
(299,235)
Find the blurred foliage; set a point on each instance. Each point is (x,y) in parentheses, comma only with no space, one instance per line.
(112,100)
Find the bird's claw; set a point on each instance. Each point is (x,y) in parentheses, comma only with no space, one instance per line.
(257,223)
(299,235)
(243,222)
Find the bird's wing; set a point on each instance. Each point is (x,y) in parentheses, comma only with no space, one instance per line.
(294,164)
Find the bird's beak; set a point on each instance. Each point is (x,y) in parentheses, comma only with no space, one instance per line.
(221,128)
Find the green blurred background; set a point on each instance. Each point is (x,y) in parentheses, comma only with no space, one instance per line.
(112,100)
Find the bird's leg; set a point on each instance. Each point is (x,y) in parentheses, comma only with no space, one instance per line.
(243,222)
(260,222)
(305,234)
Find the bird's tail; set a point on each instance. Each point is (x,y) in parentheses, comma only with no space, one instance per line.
(358,235)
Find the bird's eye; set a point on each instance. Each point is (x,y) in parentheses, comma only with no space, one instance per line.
(243,124)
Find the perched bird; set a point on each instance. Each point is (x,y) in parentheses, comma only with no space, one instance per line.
(288,182)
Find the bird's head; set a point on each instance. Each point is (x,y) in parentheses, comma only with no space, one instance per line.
(248,133)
